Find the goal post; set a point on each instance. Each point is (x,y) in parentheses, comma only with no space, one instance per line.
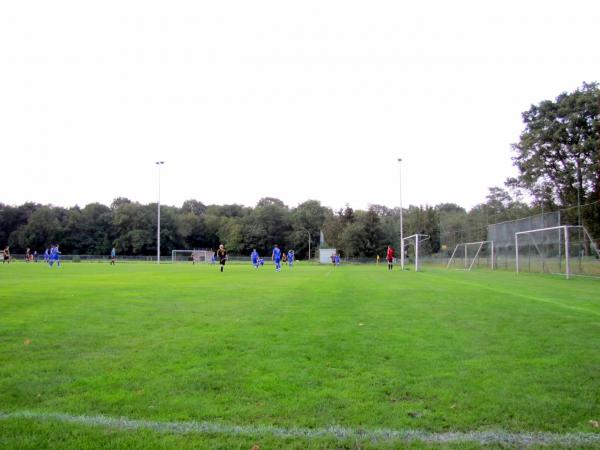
(193,256)
(416,240)
(467,255)
(567,250)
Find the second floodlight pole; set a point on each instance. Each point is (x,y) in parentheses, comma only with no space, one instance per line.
(401,227)
(158,163)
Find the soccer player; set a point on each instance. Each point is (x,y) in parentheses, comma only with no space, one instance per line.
(378,259)
(28,255)
(54,255)
(222,255)
(276,256)
(337,259)
(113,256)
(290,258)
(6,255)
(47,255)
(254,257)
(390,257)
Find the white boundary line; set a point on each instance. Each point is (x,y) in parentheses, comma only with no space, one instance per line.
(332,432)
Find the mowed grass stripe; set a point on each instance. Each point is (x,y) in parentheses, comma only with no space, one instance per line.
(435,351)
(555,291)
(339,433)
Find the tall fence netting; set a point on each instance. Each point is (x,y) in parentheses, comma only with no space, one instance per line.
(566,250)
(503,236)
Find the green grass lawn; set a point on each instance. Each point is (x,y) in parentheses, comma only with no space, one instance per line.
(355,347)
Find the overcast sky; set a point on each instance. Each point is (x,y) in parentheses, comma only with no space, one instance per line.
(295,100)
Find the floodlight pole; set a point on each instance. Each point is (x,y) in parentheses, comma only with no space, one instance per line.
(401,227)
(158,163)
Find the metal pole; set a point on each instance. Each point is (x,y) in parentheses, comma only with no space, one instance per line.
(517,251)
(158,163)
(578,204)
(401,227)
(567,265)
(417,253)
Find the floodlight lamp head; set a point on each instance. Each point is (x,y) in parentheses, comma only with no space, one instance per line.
(399,159)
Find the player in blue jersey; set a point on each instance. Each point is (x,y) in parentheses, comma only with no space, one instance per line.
(276,257)
(254,257)
(290,258)
(47,255)
(55,255)
(113,256)
(337,259)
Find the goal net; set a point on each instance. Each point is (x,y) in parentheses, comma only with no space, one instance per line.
(503,235)
(416,250)
(472,255)
(191,256)
(567,250)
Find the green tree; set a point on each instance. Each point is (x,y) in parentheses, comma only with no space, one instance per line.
(374,242)
(135,228)
(353,239)
(43,228)
(557,153)
(194,207)
(88,230)
(268,224)
(307,217)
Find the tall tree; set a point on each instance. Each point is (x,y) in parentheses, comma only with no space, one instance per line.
(193,206)
(307,220)
(43,228)
(557,153)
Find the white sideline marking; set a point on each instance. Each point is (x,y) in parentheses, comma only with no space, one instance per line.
(332,432)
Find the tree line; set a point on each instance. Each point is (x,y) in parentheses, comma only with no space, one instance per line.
(131,226)
(557,158)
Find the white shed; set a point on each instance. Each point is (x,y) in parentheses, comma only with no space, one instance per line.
(325,255)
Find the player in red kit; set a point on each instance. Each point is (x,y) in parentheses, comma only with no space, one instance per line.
(390,257)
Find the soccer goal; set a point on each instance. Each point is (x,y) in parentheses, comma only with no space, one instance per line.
(469,255)
(567,250)
(193,256)
(414,248)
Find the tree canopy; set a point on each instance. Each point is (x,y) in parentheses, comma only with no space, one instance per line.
(557,155)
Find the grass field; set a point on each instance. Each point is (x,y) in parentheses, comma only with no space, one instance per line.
(141,356)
